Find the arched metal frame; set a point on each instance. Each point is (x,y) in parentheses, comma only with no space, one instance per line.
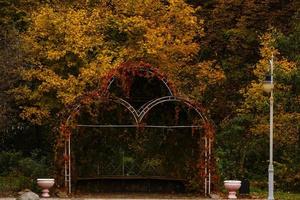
(161,79)
(144,109)
(138,116)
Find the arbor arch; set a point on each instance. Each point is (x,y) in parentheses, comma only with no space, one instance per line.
(206,163)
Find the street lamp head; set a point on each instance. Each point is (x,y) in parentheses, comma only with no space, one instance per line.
(268,84)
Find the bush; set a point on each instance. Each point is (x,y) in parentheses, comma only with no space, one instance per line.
(10,184)
(18,172)
(9,162)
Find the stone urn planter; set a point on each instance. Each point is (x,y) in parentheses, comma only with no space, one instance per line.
(45,184)
(232,186)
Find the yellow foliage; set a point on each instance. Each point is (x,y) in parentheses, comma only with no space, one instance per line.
(257,103)
(285,127)
(69,49)
(209,74)
(35,115)
(268,50)
(253,94)
(21,93)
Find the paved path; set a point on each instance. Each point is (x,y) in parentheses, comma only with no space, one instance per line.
(136,197)
(120,198)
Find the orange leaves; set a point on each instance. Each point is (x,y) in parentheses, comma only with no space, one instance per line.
(209,130)
(209,74)
(268,49)
(70,50)
(254,98)
(35,115)
(268,45)
(256,103)
(194,80)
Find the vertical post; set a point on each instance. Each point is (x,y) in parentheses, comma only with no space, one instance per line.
(271,167)
(205,163)
(209,165)
(123,164)
(66,166)
(69,159)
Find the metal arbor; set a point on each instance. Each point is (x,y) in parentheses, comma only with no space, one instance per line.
(206,164)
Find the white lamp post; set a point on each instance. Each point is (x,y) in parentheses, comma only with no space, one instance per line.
(268,86)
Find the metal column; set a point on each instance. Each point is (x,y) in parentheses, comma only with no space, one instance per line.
(67,159)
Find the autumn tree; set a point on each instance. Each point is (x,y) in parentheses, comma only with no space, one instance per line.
(69,48)
(251,122)
(13,20)
(232,29)
(213,50)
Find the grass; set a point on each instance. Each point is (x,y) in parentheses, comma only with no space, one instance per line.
(278,195)
(12,184)
(287,196)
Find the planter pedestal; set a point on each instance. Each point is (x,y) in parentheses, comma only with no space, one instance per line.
(45,184)
(232,186)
